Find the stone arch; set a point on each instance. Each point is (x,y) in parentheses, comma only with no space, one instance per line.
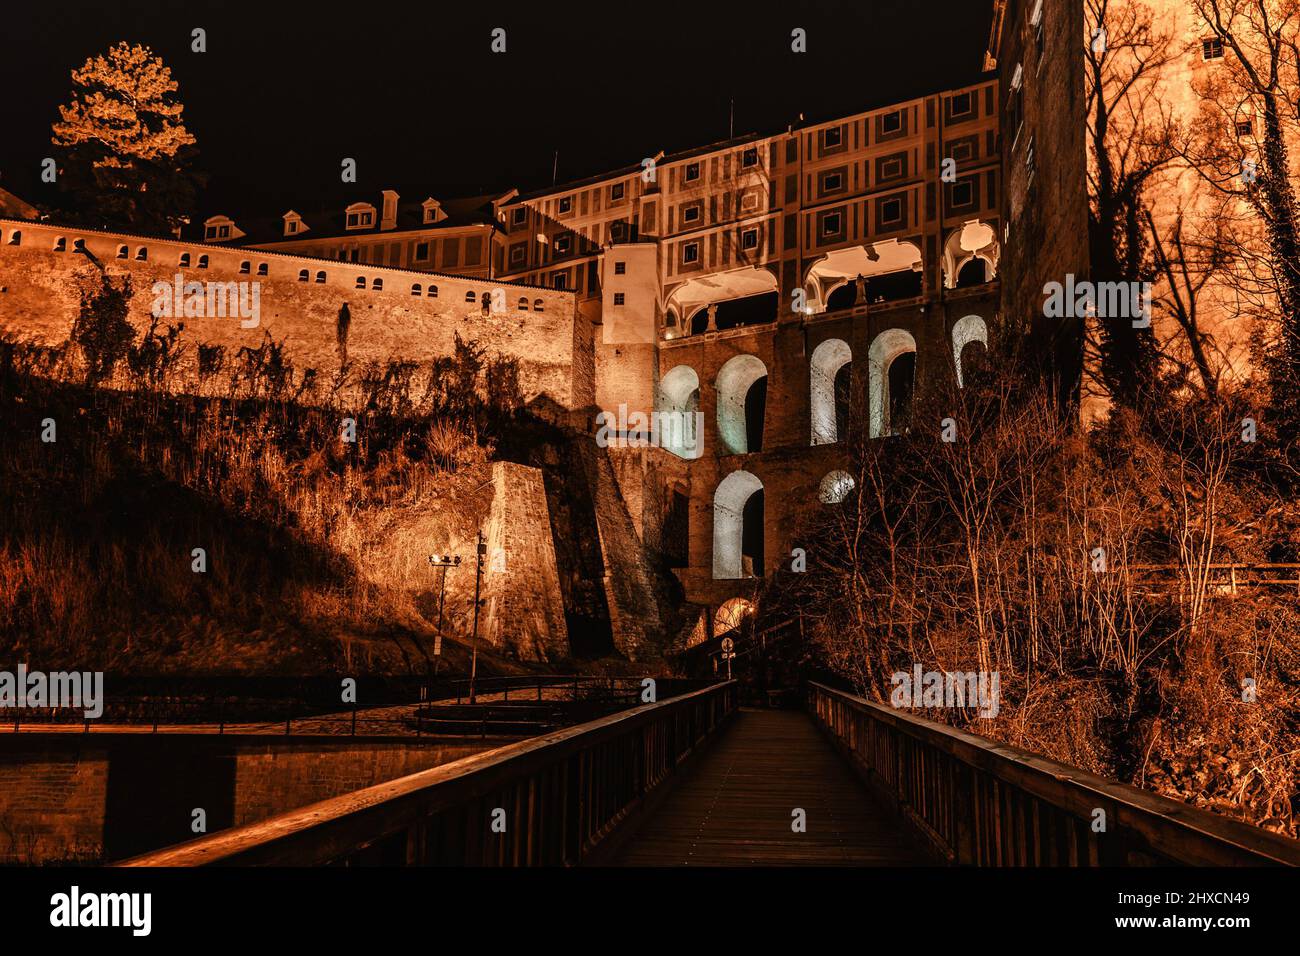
(835,487)
(676,406)
(740,424)
(970,328)
(731,614)
(830,360)
(888,346)
(731,507)
(840,266)
(975,240)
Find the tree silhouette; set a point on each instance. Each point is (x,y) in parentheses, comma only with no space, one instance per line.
(124,151)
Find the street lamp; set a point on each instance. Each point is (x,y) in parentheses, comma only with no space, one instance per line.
(478,576)
(444,562)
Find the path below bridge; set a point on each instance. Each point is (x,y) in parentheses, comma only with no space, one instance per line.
(735,805)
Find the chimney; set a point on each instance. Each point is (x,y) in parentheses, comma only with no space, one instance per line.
(388,219)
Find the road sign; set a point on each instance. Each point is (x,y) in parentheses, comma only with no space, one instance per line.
(728,646)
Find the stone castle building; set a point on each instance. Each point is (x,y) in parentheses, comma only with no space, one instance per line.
(749,285)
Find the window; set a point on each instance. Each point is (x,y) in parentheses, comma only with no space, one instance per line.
(122,251)
(377,285)
(1031,162)
(245,267)
(353,220)
(517,254)
(537,305)
(563,245)
(692,172)
(616,192)
(431,292)
(749,158)
(1016,106)
(560,280)
(61,245)
(262,269)
(892,122)
(518,215)
(416,289)
(421,252)
(1212,49)
(891,210)
(320,277)
(1040,35)
(16,237)
(184,261)
(831,224)
(620,268)
(749,201)
(523,303)
(291,226)
(962,194)
(469,296)
(832,182)
(1245,128)
(617,230)
(960,105)
(891,168)
(223,232)
(691,213)
(361,282)
(749,239)
(618,298)
(832,137)
(203,262)
(691,252)
(303,275)
(962,151)
(78,245)
(142,254)
(566,204)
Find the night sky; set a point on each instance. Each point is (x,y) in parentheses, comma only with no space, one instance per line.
(412,91)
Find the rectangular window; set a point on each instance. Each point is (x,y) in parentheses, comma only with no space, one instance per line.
(749,157)
(691,213)
(691,252)
(352,219)
(963,194)
(421,252)
(692,172)
(962,151)
(832,137)
(891,211)
(1212,49)
(830,224)
(617,230)
(566,204)
(892,122)
(749,201)
(1245,128)
(618,298)
(1031,161)
(749,239)
(560,280)
(293,227)
(960,105)
(518,215)
(616,192)
(620,268)
(891,168)
(517,254)
(832,182)
(563,245)
(1016,106)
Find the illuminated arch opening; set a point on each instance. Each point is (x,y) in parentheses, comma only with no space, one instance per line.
(738,527)
(890,270)
(742,401)
(966,330)
(679,404)
(970,256)
(829,373)
(890,388)
(835,487)
(732,615)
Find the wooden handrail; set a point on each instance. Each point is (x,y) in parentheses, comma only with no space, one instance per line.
(975,801)
(560,795)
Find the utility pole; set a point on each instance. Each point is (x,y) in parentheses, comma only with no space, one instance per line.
(478,577)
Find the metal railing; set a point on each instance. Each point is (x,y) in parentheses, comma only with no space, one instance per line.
(974,801)
(558,799)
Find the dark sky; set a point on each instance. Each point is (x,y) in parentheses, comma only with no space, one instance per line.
(286,90)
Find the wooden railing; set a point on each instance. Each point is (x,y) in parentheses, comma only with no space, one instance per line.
(559,799)
(974,801)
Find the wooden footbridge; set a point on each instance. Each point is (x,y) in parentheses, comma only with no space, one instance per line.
(697,781)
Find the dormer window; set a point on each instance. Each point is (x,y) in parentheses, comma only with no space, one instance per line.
(293,224)
(563,244)
(433,212)
(218,228)
(360,215)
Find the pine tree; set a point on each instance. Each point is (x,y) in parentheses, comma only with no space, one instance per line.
(124,151)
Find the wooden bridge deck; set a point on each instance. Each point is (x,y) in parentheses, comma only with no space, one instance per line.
(734,806)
